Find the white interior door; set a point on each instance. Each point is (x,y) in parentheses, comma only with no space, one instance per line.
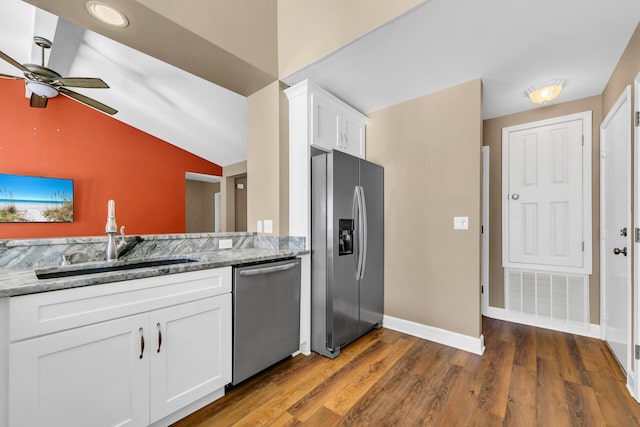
(544,196)
(615,223)
(636,221)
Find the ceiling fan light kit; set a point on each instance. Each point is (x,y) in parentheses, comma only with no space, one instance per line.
(42,89)
(545,92)
(107,14)
(44,83)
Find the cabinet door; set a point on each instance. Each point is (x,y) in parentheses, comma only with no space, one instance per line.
(191,353)
(353,135)
(325,123)
(91,376)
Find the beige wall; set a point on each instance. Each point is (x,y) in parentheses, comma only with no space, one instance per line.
(493,138)
(309,30)
(200,202)
(430,148)
(245,28)
(268,161)
(624,73)
(228,194)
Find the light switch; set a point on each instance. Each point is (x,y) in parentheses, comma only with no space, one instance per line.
(268,226)
(259,226)
(460,222)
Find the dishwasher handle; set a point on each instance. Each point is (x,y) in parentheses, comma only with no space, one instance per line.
(267,270)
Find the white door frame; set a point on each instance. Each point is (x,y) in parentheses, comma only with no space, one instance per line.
(625,96)
(636,252)
(484,296)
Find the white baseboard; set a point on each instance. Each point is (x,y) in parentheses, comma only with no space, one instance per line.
(631,384)
(593,331)
(441,336)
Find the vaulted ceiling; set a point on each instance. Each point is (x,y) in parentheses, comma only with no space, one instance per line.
(182,73)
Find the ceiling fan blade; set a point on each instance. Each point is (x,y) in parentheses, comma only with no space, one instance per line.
(38,101)
(7,76)
(13,62)
(88,101)
(88,82)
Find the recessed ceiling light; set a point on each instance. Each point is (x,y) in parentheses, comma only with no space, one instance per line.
(107,14)
(545,92)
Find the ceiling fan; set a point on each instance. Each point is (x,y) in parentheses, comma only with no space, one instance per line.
(44,83)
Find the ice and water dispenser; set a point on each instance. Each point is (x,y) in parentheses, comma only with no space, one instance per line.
(345,237)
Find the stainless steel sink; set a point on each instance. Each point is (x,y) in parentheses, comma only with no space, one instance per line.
(80,270)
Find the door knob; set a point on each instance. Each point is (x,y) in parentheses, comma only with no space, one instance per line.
(618,251)
(515,196)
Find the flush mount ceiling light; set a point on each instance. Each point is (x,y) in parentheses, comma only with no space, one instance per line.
(107,14)
(545,92)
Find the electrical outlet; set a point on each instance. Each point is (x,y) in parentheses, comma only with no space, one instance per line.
(268,226)
(225,243)
(460,222)
(259,226)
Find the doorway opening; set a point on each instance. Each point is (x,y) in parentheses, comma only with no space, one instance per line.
(202,213)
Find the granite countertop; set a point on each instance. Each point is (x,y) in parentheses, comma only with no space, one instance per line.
(24,281)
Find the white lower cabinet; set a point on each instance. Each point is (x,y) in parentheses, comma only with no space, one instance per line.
(193,357)
(129,371)
(90,376)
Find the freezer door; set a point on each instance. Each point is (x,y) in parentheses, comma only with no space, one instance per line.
(342,284)
(372,282)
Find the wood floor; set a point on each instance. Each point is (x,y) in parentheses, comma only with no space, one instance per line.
(526,377)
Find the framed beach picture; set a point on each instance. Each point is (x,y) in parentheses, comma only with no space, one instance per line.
(35,199)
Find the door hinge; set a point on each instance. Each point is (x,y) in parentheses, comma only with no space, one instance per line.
(482,289)
(637,351)
(482,229)
(583,140)
(637,118)
(583,246)
(636,234)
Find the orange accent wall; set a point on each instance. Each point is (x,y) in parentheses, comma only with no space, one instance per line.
(106,158)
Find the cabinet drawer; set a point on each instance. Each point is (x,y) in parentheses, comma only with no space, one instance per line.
(48,312)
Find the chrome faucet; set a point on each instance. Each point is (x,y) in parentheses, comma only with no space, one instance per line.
(113,250)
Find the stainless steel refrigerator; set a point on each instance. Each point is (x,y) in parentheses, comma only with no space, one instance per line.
(347,250)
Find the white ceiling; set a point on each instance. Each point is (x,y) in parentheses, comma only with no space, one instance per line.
(509,44)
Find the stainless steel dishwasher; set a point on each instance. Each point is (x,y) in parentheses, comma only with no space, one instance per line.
(266,315)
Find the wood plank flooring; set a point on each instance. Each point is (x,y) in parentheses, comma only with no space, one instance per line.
(527,377)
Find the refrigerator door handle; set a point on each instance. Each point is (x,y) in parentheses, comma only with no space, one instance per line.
(358,218)
(355,213)
(364,227)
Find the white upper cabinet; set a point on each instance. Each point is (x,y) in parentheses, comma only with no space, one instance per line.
(321,121)
(331,124)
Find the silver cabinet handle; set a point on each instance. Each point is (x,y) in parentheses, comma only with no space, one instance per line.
(141,342)
(515,196)
(159,337)
(267,270)
(618,251)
